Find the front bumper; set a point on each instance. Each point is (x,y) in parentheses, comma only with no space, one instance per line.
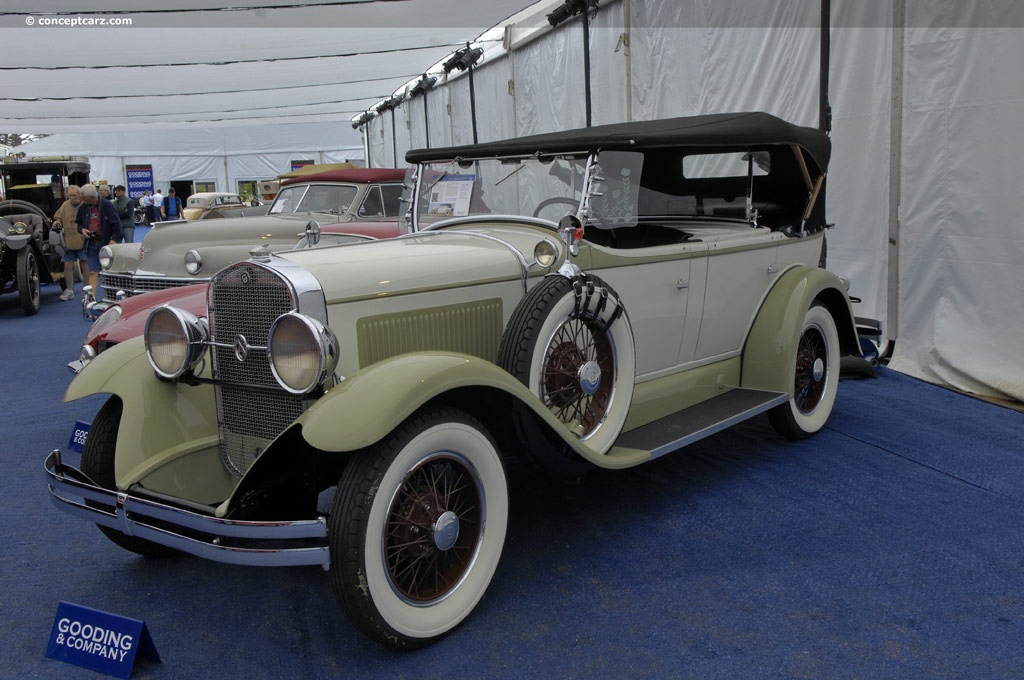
(139,513)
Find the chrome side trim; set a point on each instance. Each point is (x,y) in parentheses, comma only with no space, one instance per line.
(252,543)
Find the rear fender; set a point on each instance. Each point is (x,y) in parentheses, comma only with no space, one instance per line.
(769,356)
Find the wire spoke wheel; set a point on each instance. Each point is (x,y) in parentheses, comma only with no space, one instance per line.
(815,377)
(433,529)
(417,527)
(578,372)
(811,360)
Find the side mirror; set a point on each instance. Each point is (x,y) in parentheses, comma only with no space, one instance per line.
(312,233)
(570,231)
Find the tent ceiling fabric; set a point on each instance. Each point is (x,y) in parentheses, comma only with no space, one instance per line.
(191,62)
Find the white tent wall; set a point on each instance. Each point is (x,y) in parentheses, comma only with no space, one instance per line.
(859,181)
(961,313)
(222,155)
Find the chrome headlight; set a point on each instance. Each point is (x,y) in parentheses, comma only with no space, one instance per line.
(175,340)
(193,262)
(302,352)
(545,253)
(106,257)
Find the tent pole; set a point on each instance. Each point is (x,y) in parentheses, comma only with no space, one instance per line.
(426,120)
(824,108)
(892,315)
(394,140)
(472,101)
(586,60)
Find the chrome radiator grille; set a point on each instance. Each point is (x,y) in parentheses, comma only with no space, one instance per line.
(113,283)
(137,285)
(245,299)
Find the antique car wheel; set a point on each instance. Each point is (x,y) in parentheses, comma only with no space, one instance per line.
(417,527)
(28,280)
(570,342)
(816,380)
(98,464)
(555,200)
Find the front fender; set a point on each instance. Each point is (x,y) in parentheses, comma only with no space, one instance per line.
(364,408)
(167,438)
(769,356)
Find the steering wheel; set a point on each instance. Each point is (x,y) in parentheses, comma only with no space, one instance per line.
(554,200)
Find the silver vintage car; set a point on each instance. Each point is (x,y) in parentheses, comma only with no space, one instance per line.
(588,298)
(182,253)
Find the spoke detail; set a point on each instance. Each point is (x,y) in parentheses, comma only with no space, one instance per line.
(575,343)
(418,569)
(808,386)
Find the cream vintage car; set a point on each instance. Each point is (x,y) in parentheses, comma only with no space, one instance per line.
(589,298)
(210,205)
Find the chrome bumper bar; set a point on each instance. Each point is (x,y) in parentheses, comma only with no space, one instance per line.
(253,543)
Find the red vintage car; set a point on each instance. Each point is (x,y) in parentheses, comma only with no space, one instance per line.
(126,318)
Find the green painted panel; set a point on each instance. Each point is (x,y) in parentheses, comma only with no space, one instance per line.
(472,328)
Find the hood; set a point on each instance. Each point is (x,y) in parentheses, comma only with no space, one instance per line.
(219,242)
(414,263)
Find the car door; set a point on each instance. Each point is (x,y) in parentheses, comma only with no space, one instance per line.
(661,295)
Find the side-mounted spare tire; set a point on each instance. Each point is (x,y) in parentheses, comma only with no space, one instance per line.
(569,341)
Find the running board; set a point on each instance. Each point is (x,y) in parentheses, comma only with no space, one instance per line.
(682,428)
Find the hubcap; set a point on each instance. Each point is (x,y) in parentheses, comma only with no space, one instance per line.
(819,370)
(590,377)
(446,530)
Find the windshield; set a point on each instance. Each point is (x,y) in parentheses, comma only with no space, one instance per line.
(304,198)
(547,187)
(763,186)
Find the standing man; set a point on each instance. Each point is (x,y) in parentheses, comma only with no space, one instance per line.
(172,206)
(98,222)
(146,201)
(125,212)
(158,206)
(74,243)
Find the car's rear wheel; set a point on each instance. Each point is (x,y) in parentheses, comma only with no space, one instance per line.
(98,464)
(570,342)
(417,528)
(816,377)
(28,280)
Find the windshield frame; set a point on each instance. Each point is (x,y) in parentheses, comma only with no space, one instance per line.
(305,189)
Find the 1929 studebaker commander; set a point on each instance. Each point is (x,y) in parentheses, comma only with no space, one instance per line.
(682,293)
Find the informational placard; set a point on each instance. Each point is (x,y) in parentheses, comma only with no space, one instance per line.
(140,179)
(97,640)
(450,196)
(78,435)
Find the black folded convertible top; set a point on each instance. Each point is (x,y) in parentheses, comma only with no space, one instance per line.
(720,131)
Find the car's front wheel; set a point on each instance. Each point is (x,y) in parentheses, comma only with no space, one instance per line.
(816,377)
(417,528)
(28,280)
(98,464)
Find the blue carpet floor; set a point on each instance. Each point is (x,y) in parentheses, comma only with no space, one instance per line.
(888,546)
